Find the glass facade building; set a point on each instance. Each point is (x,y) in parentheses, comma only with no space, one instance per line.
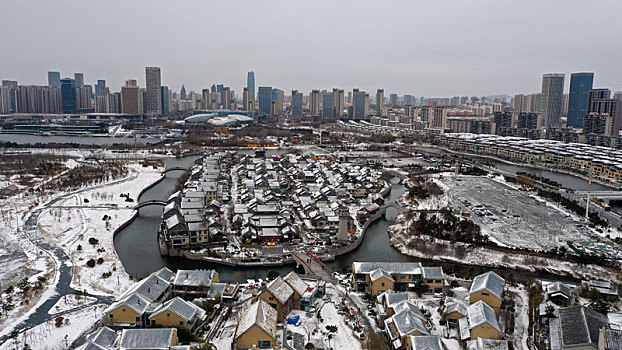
(580,86)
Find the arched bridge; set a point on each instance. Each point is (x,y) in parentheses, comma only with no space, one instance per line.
(148,203)
(176,168)
(313,265)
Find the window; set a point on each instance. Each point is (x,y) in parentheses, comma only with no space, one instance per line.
(270,298)
(264,344)
(181,323)
(111,316)
(383,284)
(485,294)
(168,314)
(123,310)
(138,319)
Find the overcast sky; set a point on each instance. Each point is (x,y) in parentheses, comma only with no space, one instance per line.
(426,48)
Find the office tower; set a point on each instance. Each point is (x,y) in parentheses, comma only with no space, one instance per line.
(380,110)
(314,102)
(130,98)
(101,84)
(182,92)
(551,102)
(54,79)
(296,104)
(278,97)
(393,99)
(247,100)
(153,99)
(349,100)
(165,102)
(338,102)
(68,95)
(580,86)
(360,104)
(265,100)
(600,103)
(328,108)
(78,79)
(250,83)
(205,100)
(83,97)
(225,94)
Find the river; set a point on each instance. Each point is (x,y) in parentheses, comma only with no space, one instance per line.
(138,249)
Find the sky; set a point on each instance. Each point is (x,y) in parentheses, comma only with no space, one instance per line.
(432,48)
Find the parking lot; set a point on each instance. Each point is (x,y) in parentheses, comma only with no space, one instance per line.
(510,217)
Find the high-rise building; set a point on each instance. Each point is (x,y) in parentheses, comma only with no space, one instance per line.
(360,104)
(182,92)
(83,98)
(338,102)
(101,84)
(205,100)
(226,97)
(166,108)
(580,86)
(296,104)
(393,99)
(328,108)
(600,103)
(349,100)
(552,98)
(153,97)
(68,95)
(455,101)
(594,95)
(130,98)
(278,96)
(78,79)
(314,102)
(617,95)
(54,79)
(380,110)
(265,100)
(250,83)
(247,100)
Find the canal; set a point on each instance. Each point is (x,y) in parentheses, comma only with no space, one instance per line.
(138,250)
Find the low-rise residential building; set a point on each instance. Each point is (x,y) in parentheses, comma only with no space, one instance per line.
(453,310)
(481,322)
(148,339)
(403,324)
(434,278)
(404,275)
(487,287)
(559,293)
(577,328)
(279,295)
(178,313)
(423,342)
(192,284)
(257,327)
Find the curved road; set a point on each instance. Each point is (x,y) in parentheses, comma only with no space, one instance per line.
(65,268)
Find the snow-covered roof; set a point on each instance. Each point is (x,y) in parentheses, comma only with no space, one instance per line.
(164,273)
(405,268)
(259,314)
(406,323)
(489,281)
(480,313)
(152,287)
(104,338)
(580,325)
(432,272)
(487,344)
(407,305)
(425,342)
(392,298)
(194,278)
(454,305)
(296,283)
(379,273)
(182,308)
(557,288)
(280,290)
(148,338)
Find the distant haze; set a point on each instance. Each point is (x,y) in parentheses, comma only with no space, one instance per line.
(424,48)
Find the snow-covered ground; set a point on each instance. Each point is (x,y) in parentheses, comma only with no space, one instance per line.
(47,336)
(72,222)
(71,301)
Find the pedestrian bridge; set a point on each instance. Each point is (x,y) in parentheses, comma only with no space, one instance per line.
(601,194)
(313,266)
(177,168)
(148,203)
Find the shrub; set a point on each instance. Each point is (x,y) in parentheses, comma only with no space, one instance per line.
(90,263)
(93,240)
(100,261)
(59,321)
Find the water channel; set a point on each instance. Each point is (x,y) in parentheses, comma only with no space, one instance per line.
(138,250)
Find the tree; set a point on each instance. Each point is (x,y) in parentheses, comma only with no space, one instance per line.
(421,288)
(272,274)
(599,306)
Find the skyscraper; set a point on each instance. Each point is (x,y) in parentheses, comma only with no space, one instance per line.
(338,103)
(328,108)
(78,79)
(296,104)
(552,96)
(99,87)
(265,100)
(278,97)
(247,100)
(596,94)
(205,100)
(580,86)
(130,98)
(54,78)
(153,97)
(182,93)
(250,83)
(393,99)
(226,97)
(164,97)
(600,103)
(314,102)
(380,111)
(68,95)
(360,104)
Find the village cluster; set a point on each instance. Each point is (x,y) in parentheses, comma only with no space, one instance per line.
(237,207)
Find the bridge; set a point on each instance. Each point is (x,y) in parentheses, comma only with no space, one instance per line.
(601,194)
(148,203)
(313,266)
(176,168)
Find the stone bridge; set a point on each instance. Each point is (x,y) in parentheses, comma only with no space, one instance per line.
(148,203)
(313,266)
(177,168)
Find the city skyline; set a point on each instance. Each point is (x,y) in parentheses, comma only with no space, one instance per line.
(422,54)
